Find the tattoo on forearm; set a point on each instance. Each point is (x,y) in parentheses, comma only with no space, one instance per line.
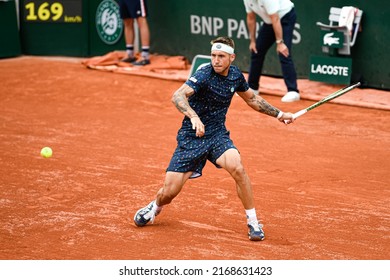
(264,107)
(180,99)
(180,102)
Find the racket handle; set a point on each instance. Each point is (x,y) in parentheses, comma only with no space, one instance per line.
(299,113)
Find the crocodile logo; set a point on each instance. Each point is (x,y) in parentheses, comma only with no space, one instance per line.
(330,40)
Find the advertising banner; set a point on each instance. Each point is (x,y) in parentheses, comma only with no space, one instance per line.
(334,70)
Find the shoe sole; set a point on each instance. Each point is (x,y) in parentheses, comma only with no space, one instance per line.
(140,63)
(128,61)
(256,238)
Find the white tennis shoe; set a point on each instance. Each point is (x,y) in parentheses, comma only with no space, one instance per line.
(255,231)
(146,214)
(291,96)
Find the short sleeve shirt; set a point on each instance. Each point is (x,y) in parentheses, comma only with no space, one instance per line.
(264,8)
(212,97)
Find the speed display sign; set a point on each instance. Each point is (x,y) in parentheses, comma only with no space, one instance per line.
(61,11)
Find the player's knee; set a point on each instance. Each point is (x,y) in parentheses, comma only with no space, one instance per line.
(238,171)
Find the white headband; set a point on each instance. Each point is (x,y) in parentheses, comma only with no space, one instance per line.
(222,47)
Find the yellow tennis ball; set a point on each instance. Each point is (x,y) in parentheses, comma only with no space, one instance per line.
(46,152)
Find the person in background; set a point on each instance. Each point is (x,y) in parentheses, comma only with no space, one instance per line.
(279,18)
(204,100)
(131,10)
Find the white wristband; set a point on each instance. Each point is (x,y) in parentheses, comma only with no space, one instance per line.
(280,115)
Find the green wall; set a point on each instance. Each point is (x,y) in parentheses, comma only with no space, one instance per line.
(173,34)
(79,38)
(185,27)
(10,41)
(96,45)
(50,37)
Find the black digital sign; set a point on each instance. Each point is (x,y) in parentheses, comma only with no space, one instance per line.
(62,11)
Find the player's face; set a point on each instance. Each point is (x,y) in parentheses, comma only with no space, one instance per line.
(221,62)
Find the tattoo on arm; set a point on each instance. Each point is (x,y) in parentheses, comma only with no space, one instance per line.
(259,104)
(180,99)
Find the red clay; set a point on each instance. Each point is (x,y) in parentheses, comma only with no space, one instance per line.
(322,184)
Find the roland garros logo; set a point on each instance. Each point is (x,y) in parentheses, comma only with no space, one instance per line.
(108,22)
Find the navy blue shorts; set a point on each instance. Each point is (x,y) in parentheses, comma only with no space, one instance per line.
(133,8)
(192,153)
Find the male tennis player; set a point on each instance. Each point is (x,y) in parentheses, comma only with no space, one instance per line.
(204,100)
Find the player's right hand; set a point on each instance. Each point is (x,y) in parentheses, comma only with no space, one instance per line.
(198,126)
(287,118)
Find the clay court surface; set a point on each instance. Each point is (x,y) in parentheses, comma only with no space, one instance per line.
(321,185)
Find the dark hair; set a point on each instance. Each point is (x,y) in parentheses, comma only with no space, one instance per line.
(224,40)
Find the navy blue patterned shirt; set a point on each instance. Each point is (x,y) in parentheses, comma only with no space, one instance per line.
(212,97)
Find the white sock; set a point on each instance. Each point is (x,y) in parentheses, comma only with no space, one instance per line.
(145,52)
(130,50)
(156,207)
(251,215)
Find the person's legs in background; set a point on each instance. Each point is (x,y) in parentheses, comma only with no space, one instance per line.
(265,39)
(145,41)
(129,39)
(287,63)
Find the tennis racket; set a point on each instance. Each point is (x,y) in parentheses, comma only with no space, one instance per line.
(326,99)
